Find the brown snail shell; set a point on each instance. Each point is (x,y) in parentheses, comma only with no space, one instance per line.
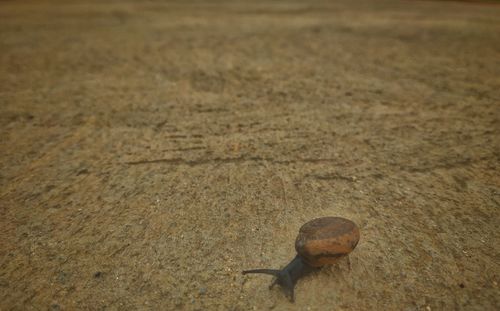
(321,241)
(325,240)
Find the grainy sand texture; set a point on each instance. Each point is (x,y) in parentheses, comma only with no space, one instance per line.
(152,150)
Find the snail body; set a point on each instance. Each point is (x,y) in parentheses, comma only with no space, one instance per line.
(321,241)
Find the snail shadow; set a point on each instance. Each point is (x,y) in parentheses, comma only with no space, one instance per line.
(288,277)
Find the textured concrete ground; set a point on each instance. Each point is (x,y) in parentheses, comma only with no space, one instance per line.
(152,150)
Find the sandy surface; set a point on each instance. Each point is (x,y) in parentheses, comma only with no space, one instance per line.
(151,151)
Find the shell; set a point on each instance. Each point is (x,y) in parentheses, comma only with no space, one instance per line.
(323,241)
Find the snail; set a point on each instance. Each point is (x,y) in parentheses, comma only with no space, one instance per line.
(321,241)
